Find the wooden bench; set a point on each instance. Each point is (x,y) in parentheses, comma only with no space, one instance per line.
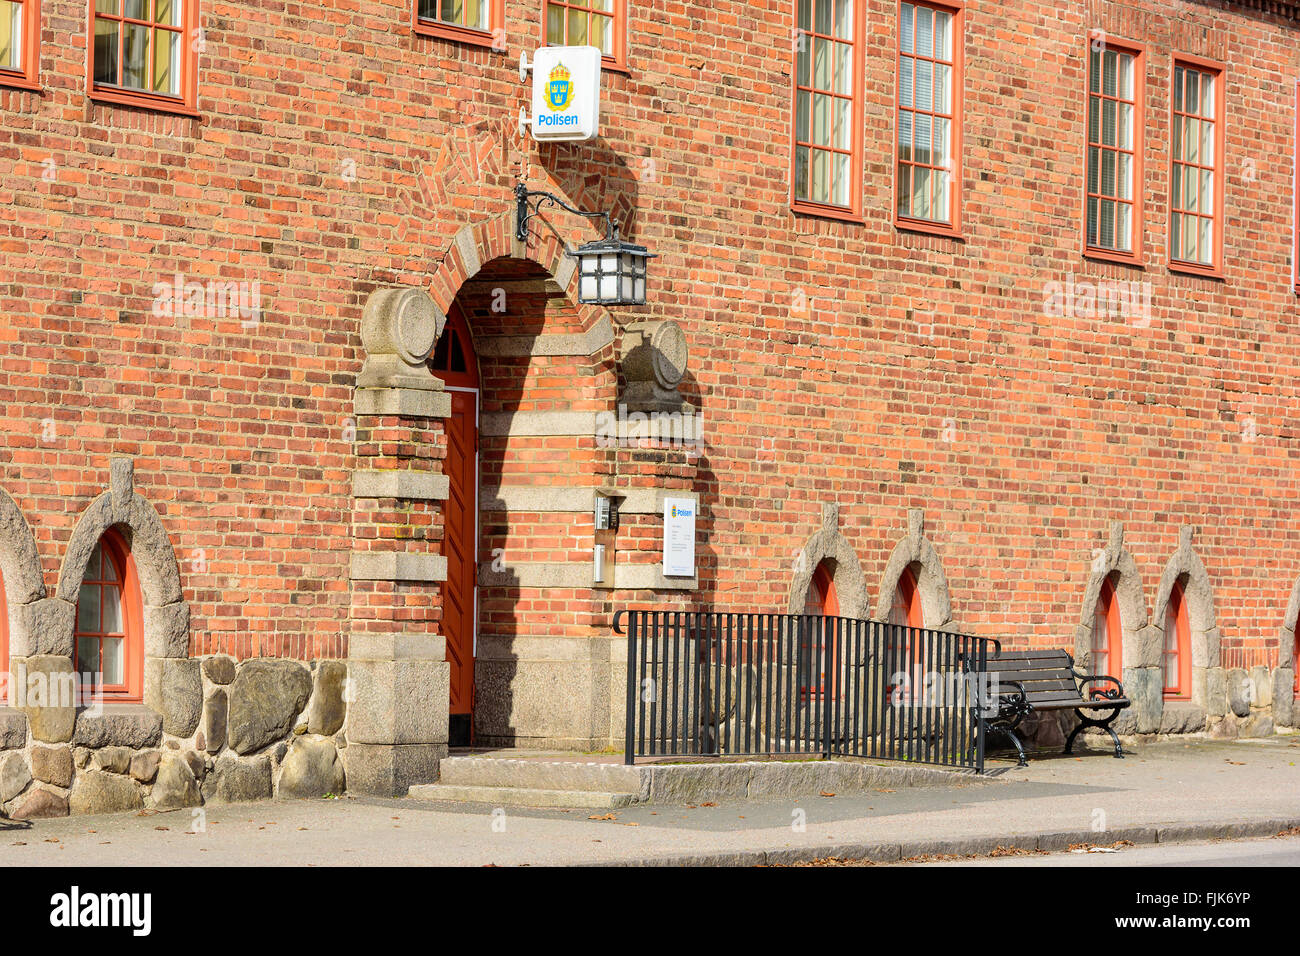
(1038,682)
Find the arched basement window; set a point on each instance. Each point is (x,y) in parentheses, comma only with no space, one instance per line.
(820,601)
(1107,635)
(1177,657)
(109,642)
(906,611)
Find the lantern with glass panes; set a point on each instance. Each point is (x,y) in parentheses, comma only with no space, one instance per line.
(611,271)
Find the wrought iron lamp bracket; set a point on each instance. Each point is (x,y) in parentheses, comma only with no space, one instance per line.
(529,203)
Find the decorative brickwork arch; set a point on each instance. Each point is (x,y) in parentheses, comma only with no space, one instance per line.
(916,555)
(166,615)
(475,246)
(21,583)
(830,551)
(1185,567)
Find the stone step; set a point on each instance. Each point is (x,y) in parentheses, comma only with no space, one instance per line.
(540,775)
(523,797)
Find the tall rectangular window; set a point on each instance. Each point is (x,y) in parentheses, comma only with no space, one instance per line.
(1196,171)
(928,174)
(598,23)
(479,22)
(1113,204)
(145,52)
(19,39)
(827,108)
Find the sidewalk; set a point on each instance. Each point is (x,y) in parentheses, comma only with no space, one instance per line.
(1168,791)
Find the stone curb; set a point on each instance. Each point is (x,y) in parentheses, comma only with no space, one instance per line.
(1054,841)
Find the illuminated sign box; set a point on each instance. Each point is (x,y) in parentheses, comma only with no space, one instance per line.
(566,93)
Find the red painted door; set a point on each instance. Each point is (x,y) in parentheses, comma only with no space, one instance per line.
(455,363)
(458,608)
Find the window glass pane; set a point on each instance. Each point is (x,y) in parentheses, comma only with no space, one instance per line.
(801,116)
(88,608)
(1124,227)
(925,31)
(922,141)
(943,35)
(136,9)
(821,176)
(1107,226)
(1094,166)
(1124,126)
(166,61)
(111,608)
(112,660)
(106,51)
(1124,176)
(1176,236)
(555,25)
(1191,93)
(1094,71)
(135,49)
(805,14)
(108,6)
(941,148)
(905,135)
(1109,71)
(93,570)
(905,82)
(823,23)
(11,35)
(844,19)
(841,197)
(87,655)
(805,62)
(843,68)
(1189,237)
(821,63)
(941,212)
(577,28)
(924,85)
(452,11)
(843,124)
(906,38)
(1178,138)
(602,33)
(1179,83)
(1207,144)
(1126,75)
(1094,119)
(1207,192)
(167,11)
(821,120)
(1206,244)
(1108,122)
(1190,183)
(1191,140)
(801,189)
(1207,95)
(921,194)
(1107,172)
(943,89)
(904,190)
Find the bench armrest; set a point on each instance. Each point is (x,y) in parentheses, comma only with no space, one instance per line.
(1115,692)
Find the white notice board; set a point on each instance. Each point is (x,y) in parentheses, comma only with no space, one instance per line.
(679,538)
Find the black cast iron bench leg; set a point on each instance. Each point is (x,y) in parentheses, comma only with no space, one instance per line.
(1085,721)
(1011,735)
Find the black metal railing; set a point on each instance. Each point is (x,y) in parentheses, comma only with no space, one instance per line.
(707,683)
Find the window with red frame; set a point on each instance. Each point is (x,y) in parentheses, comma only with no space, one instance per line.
(598,23)
(108,642)
(1113,217)
(1196,177)
(1177,657)
(20,34)
(1107,636)
(929,115)
(820,601)
(473,21)
(905,611)
(827,107)
(145,52)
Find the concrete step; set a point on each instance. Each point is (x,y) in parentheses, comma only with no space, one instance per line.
(523,797)
(541,775)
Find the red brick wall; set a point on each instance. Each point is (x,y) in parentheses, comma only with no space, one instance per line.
(336,151)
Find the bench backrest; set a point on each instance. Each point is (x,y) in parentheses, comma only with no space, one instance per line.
(1047,676)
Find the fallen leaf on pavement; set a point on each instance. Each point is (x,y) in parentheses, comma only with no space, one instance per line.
(608,816)
(827,793)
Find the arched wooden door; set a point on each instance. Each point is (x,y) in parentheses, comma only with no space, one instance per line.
(456,364)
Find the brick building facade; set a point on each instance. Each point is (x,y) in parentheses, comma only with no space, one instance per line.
(973,386)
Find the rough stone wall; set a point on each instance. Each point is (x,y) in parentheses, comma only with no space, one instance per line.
(835,361)
(246,731)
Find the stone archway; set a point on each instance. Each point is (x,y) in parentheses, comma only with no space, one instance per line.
(1208,687)
(1141,642)
(917,552)
(24,585)
(829,546)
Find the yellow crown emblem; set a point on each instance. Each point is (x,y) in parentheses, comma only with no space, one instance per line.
(561,72)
